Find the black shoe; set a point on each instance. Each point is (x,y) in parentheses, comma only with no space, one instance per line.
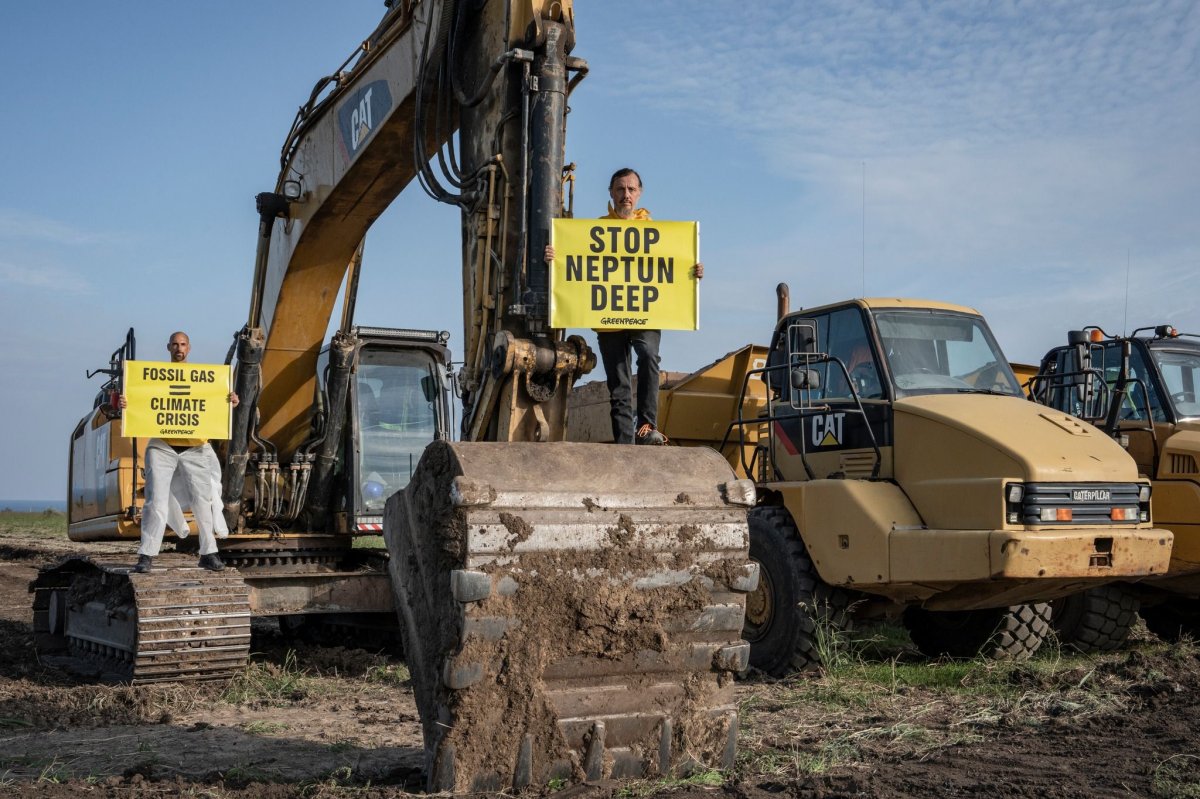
(143,565)
(211,562)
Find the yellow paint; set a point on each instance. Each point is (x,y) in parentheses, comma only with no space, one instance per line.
(617,273)
(176,400)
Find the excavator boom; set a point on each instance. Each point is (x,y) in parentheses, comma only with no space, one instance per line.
(568,611)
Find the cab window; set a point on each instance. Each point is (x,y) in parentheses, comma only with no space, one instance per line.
(841,334)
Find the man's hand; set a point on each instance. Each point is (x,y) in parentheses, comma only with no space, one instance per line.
(698,271)
(233,399)
(549,254)
(121,403)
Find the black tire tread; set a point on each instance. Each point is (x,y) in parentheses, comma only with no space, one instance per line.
(814,603)
(1096,620)
(1009,633)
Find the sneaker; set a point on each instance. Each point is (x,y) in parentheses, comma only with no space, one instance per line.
(143,565)
(211,562)
(647,434)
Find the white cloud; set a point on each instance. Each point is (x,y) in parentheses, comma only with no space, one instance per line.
(43,277)
(20,225)
(1015,152)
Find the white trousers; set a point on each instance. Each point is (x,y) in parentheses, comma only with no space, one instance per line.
(181,498)
(195,469)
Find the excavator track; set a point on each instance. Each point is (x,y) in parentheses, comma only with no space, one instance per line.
(571,611)
(177,622)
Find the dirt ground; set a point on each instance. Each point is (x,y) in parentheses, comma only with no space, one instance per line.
(314,721)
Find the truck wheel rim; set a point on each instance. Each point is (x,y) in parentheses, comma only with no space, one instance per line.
(760,607)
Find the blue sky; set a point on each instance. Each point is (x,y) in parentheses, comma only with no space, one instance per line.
(1025,158)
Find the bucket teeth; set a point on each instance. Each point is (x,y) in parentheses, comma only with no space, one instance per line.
(565,616)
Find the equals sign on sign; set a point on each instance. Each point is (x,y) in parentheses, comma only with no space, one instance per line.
(175,390)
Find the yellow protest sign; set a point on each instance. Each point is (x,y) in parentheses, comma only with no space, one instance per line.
(621,273)
(176,400)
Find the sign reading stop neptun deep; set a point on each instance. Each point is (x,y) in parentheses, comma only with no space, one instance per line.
(618,273)
(176,400)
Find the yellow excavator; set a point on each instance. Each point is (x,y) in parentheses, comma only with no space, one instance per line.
(568,611)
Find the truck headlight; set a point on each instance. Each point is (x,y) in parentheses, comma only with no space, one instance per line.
(1056,514)
(1013,494)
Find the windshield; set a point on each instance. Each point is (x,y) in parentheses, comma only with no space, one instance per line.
(1180,370)
(942,352)
(397,394)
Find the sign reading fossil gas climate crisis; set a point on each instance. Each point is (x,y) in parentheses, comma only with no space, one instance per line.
(176,400)
(617,273)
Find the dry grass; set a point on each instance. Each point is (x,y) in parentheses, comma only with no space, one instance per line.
(877,697)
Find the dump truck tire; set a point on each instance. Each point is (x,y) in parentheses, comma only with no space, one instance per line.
(793,608)
(1173,619)
(1012,633)
(1096,620)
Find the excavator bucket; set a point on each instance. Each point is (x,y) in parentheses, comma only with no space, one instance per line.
(571,611)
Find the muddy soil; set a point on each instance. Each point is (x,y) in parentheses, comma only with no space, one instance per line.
(311,721)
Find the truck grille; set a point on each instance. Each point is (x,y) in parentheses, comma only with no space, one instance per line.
(1089,503)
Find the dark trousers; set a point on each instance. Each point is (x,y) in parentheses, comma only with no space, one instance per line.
(615,346)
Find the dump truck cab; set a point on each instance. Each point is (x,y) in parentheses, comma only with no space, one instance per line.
(900,467)
(1143,390)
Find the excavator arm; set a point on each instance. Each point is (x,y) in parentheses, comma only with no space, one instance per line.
(568,611)
(498,73)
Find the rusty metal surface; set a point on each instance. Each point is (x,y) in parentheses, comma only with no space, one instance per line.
(334,592)
(645,533)
(176,622)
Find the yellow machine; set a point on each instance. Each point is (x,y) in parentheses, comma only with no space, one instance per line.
(1143,390)
(899,466)
(563,615)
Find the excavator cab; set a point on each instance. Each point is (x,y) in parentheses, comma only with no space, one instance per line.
(398,404)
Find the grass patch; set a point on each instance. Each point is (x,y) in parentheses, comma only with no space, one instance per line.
(243,774)
(43,524)
(369,542)
(270,683)
(389,674)
(1177,777)
(264,727)
(877,697)
(710,778)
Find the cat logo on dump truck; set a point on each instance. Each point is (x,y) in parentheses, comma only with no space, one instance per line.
(827,429)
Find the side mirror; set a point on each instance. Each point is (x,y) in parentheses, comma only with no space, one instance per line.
(802,337)
(805,379)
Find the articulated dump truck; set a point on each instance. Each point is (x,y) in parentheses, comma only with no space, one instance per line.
(900,470)
(1143,391)
(567,610)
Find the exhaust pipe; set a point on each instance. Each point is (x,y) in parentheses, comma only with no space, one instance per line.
(782,301)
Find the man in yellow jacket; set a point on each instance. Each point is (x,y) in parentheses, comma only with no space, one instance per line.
(628,427)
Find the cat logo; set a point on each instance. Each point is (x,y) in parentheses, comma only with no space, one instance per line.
(361,115)
(360,120)
(827,429)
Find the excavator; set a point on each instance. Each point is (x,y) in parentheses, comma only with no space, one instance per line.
(568,611)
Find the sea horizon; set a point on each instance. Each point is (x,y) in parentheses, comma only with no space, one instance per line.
(33,505)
